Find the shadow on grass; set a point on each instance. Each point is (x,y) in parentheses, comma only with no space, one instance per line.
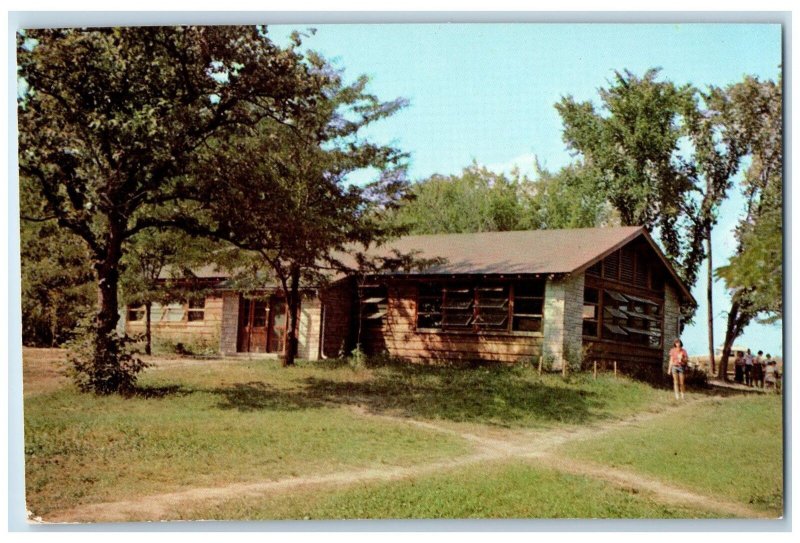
(497,396)
(257,395)
(160,391)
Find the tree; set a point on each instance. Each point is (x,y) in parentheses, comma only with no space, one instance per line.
(111,120)
(719,146)
(479,200)
(286,195)
(157,267)
(57,283)
(632,149)
(566,199)
(754,274)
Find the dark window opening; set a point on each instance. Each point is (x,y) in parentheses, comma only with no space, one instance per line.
(591,311)
(374,304)
(429,306)
(528,313)
(631,319)
(642,272)
(491,307)
(611,266)
(499,307)
(259,313)
(457,308)
(196,308)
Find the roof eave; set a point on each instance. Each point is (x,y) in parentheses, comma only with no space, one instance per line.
(642,231)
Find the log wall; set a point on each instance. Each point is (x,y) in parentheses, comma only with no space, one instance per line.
(397,336)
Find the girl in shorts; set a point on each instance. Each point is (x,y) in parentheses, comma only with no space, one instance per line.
(678,361)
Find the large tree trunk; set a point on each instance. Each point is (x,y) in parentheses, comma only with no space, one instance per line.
(710,296)
(293,313)
(148,338)
(738,318)
(53,322)
(107,271)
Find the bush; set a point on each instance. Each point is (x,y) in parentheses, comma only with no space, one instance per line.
(696,377)
(198,347)
(104,365)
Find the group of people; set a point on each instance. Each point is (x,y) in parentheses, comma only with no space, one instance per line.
(753,371)
(756,371)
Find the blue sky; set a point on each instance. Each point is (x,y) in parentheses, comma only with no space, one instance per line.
(486,92)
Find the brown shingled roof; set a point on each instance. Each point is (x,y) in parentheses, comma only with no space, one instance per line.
(518,252)
(523,252)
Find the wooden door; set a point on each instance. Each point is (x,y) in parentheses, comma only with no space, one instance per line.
(277,324)
(252,326)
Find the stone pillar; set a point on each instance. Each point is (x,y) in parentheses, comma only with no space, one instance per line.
(229,329)
(309,328)
(563,319)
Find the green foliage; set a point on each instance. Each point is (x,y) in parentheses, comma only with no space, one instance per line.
(479,200)
(288,186)
(756,270)
(152,255)
(633,147)
(107,143)
(196,347)
(357,359)
(566,199)
(104,365)
(754,274)
(57,283)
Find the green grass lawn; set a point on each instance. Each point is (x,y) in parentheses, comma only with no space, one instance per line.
(183,431)
(729,447)
(209,423)
(496,490)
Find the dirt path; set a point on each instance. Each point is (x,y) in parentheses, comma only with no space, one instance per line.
(522,444)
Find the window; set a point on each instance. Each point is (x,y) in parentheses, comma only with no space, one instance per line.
(196,308)
(374,304)
(642,272)
(591,314)
(528,306)
(172,313)
(135,314)
(429,306)
(627,265)
(458,308)
(630,319)
(611,266)
(498,307)
(491,308)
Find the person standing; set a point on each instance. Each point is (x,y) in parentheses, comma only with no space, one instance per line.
(770,375)
(678,360)
(758,370)
(748,368)
(738,367)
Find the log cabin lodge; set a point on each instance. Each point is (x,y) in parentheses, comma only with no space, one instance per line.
(600,294)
